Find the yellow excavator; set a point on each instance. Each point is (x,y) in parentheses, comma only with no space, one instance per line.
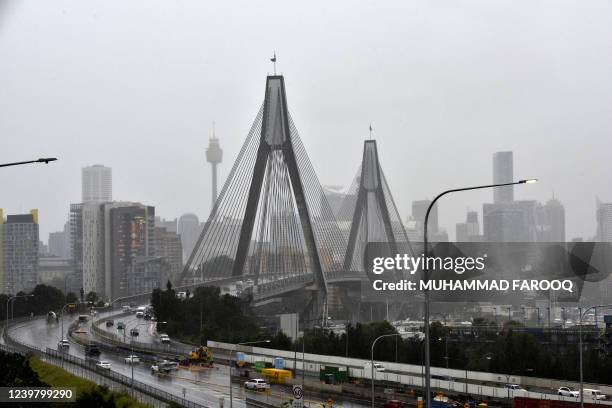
(200,357)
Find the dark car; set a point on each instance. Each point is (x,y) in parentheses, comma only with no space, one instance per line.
(134,332)
(147,316)
(109,323)
(92,350)
(393,404)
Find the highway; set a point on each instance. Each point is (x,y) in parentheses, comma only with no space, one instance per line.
(204,387)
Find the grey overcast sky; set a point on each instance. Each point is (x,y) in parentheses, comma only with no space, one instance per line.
(136,85)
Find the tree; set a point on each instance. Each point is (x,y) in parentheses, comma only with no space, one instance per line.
(71,298)
(16,372)
(92,297)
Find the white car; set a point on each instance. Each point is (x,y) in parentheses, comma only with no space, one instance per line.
(377,367)
(257,384)
(568,392)
(515,389)
(164,338)
(132,359)
(103,365)
(590,393)
(64,343)
(139,314)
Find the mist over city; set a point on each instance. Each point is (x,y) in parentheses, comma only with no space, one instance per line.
(333,204)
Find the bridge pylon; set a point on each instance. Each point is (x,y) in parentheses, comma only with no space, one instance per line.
(374,220)
(271,226)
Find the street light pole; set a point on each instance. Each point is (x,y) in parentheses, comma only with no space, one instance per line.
(10,300)
(426,273)
(230,363)
(45,160)
(372,359)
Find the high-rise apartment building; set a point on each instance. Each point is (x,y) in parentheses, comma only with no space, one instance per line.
(168,246)
(130,234)
(93,248)
(20,245)
(76,246)
(97,183)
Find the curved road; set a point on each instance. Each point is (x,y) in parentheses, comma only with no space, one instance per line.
(203,387)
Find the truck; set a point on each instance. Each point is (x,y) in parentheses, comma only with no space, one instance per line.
(52,317)
(200,357)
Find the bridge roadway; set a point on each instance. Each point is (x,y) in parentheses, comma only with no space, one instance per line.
(203,387)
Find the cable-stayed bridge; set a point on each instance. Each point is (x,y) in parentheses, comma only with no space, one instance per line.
(273,225)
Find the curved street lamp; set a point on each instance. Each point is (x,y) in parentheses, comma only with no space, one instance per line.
(45,160)
(426,274)
(372,359)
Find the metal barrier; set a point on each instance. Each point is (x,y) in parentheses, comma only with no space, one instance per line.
(115,340)
(16,347)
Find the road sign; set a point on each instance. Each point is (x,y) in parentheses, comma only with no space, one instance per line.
(298,398)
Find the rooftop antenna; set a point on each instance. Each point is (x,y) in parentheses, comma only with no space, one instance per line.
(370,131)
(273,59)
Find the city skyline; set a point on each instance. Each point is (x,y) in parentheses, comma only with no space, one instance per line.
(543,112)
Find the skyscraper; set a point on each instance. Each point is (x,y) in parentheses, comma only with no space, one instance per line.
(214,155)
(469,231)
(168,246)
(503,172)
(57,244)
(129,237)
(189,230)
(604,222)
(551,222)
(419,210)
(20,252)
(97,183)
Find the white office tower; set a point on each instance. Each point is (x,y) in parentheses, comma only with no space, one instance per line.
(97,184)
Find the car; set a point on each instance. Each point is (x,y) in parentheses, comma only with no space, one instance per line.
(92,350)
(147,316)
(103,365)
(257,384)
(377,366)
(590,393)
(64,343)
(139,314)
(126,309)
(134,332)
(515,389)
(132,359)
(109,323)
(568,392)
(83,318)
(393,404)
(164,367)
(120,326)
(164,338)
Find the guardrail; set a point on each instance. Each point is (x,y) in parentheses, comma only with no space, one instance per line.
(15,346)
(454,378)
(116,340)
